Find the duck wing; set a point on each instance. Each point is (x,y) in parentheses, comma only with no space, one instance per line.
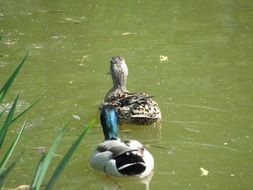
(139,108)
(125,159)
(115,147)
(133,98)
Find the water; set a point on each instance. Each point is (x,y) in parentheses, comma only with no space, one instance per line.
(204,88)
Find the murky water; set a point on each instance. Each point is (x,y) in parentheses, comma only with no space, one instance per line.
(203,86)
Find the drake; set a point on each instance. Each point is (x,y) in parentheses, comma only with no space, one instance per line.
(119,158)
(136,108)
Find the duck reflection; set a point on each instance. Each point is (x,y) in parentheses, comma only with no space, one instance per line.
(115,183)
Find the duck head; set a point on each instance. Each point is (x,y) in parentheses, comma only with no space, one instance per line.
(119,72)
(109,122)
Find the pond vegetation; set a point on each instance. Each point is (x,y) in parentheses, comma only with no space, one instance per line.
(5,167)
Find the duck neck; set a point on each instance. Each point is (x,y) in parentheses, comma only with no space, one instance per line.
(109,122)
(120,84)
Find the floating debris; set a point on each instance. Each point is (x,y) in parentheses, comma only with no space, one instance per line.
(55,11)
(2,64)
(10,42)
(76,22)
(163,58)
(191,129)
(73,20)
(55,36)
(36,46)
(22,187)
(76,117)
(204,172)
(21,104)
(127,33)
(40,149)
(85,57)
(68,19)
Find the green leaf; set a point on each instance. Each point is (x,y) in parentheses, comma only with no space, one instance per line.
(1,95)
(67,157)
(40,173)
(12,147)
(26,110)
(5,173)
(2,112)
(7,121)
(9,82)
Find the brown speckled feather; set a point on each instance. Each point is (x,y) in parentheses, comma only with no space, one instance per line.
(137,108)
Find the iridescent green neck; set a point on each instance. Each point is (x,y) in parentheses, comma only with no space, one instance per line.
(109,122)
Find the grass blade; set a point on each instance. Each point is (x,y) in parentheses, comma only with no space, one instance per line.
(26,110)
(12,147)
(1,96)
(47,160)
(9,82)
(2,112)
(7,121)
(67,157)
(4,173)
(38,171)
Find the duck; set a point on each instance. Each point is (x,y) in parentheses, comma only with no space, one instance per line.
(119,158)
(136,108)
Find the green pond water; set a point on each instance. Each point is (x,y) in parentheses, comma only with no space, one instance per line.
(203,85)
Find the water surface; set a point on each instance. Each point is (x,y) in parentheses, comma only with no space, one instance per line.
(204,87)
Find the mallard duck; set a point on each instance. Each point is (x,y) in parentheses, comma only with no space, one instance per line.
(138,108)
(119,158)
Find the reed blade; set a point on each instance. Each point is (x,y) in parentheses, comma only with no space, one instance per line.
(38,172)
(68,156)
(9,82)
(8,121)
(26,110)
(2,112)
(47,160)
(10,150)
(6,124)
(5,173)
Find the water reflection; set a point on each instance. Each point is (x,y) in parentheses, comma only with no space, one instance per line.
(113,183)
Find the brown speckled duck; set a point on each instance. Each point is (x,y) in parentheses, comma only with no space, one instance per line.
(137,108)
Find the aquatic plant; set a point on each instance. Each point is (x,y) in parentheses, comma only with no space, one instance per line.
(46,158)
(7,122)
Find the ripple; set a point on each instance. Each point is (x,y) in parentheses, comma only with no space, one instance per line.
(3,64)
(199,107)
(21,104)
